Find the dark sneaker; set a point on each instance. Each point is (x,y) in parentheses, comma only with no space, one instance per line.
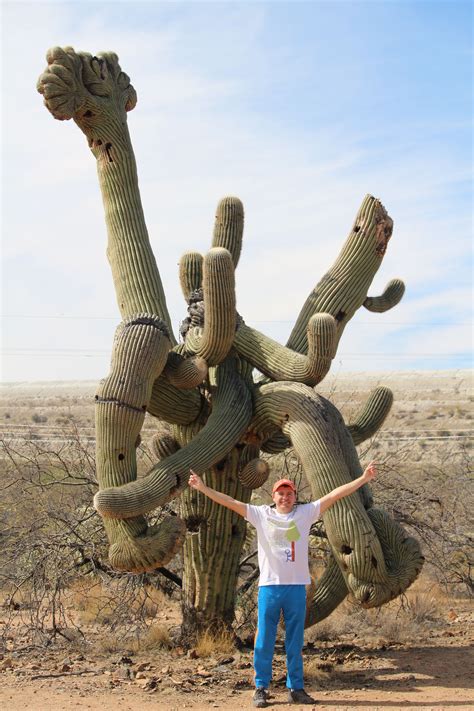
(299,696)
(260,698)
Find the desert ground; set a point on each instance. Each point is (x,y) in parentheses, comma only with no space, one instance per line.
(416,652)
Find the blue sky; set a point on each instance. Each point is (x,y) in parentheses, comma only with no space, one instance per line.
(300,109)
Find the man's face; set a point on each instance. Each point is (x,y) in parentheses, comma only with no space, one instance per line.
(284,499)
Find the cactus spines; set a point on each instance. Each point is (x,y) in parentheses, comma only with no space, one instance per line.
(372,415)
(221,417)
(254,474)
(391,296)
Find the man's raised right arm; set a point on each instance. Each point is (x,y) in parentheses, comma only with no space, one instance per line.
(195,482)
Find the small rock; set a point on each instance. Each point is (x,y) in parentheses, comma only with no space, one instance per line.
(226,660)
(192,654)
(140,675)
(144,666)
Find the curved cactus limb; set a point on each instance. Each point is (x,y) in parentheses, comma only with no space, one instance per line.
(229,227)
(97,95)
(185,373)
(138,548)
(276,443)
(254,474)
(372,415)
(343,289)
(219,306)
(140,350)
(229,418)
(402,553)
(280,363)
(172,404)
(330,591)
(163,446)
(390,297)
(319,437)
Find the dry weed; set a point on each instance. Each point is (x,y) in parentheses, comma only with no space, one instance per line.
(212,643)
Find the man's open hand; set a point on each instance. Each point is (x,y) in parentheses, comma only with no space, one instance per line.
(195,481)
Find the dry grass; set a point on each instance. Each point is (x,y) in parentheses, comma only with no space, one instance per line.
(212,643)
(155,638)
(414,615)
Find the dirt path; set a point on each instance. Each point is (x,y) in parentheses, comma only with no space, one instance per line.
(417,677)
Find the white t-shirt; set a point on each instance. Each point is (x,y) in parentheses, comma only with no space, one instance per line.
(283,542)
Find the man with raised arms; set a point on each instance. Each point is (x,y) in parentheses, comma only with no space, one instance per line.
(282,535)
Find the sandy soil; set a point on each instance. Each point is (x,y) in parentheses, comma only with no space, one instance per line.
(433,674)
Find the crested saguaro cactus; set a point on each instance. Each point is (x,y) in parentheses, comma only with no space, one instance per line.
(221,416)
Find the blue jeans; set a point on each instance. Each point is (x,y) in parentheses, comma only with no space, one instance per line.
(272,599)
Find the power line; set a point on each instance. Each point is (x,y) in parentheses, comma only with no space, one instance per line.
(117,319)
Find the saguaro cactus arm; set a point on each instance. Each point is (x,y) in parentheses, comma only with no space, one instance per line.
(343,289)
(219,306)
(185,372)
(372,415)
(139,353)
(319,437)
(227,422)
(229,226)
(97,94)
(190,273)
(330,592)
(391,296)
(280,363)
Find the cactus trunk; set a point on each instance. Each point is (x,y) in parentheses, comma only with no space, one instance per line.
(212,551)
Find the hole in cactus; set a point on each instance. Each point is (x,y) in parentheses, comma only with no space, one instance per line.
(99,142)
(121,457)
(108,148)
(88,113)
(356,228)
(374,562)
(346,549)
(220,465)
(340,315)
(193,523)
(235,531)
(175,488)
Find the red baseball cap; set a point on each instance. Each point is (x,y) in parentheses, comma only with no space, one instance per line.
(283,482)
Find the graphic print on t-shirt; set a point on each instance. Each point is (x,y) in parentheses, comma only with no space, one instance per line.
(282,533)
